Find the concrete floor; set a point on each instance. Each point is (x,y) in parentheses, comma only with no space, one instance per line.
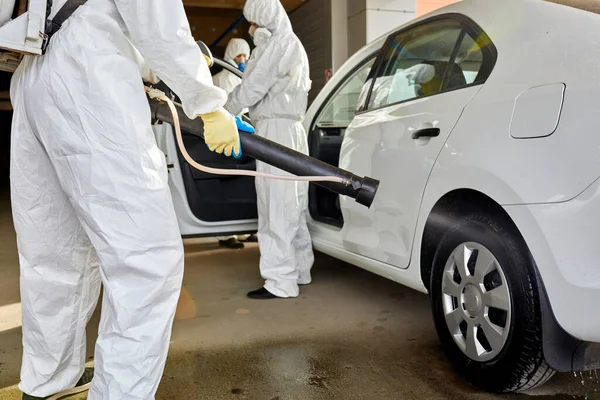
(350,335)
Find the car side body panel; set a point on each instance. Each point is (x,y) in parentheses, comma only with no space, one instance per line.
(534,52)
(548,185)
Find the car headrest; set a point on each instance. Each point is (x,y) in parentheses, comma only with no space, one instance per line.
(454,79)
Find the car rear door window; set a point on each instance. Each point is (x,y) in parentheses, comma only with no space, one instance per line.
(469,60)
(431,58)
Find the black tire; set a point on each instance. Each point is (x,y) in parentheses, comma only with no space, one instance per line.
(520,364)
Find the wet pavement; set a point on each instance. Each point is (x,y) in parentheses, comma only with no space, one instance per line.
(350,335)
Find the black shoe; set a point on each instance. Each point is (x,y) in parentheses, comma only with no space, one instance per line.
(252,239)
(81,386)
(262,294)
(231,243)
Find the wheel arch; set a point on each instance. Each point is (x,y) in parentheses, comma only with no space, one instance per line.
(450,206)
(561,350)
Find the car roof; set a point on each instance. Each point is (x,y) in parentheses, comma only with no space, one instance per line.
(507,18)
(506,21)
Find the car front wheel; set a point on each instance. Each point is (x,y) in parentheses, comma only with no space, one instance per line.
(485,303)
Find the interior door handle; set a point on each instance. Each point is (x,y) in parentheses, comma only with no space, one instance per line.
(426,133)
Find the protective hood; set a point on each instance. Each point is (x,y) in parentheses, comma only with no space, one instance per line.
(269,14)
(236,47)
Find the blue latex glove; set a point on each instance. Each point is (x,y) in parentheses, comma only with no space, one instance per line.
(242,126)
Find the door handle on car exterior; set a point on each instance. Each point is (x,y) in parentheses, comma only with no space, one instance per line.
(426,133)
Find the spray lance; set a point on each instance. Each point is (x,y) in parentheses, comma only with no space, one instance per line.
(304,168)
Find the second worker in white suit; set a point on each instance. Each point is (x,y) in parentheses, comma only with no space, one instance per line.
(275,88)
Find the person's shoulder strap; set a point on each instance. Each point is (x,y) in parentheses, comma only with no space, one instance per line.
(66,11)
(53,25)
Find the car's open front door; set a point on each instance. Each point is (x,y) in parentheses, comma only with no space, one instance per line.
(206,204)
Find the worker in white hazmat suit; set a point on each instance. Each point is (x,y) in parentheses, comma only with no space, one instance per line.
(236,54)
(275,88)
(90,197)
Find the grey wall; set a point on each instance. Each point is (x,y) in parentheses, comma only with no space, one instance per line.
(312,25)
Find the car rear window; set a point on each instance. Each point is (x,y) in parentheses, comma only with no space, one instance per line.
(586,5)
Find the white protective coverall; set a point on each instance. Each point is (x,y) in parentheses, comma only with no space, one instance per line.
(275,89)
(90,196)
(225,79)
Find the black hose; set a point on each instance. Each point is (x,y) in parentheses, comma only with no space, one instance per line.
(363,190)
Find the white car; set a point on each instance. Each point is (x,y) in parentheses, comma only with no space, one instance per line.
(479,120)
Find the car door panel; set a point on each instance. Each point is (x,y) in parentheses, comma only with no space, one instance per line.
(207,204)
(380,143)
(424,78)
(216,198)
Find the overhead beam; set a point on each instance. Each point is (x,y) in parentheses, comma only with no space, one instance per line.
(208,24)
(289,5)
(227,4)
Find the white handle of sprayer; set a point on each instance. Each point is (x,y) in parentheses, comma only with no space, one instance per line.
(159,95)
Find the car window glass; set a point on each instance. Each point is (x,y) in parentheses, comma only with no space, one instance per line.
(469,60)
(415,63)
(341,107)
